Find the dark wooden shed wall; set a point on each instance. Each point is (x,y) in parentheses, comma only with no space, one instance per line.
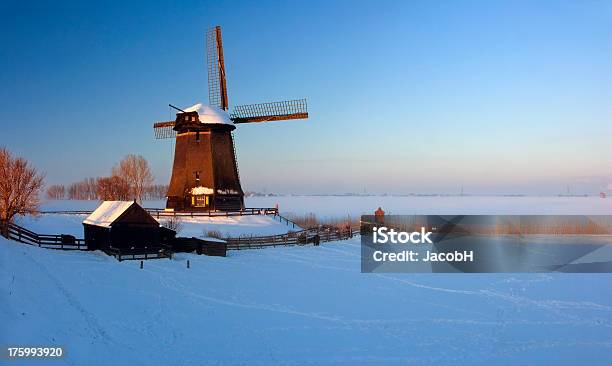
(135,228)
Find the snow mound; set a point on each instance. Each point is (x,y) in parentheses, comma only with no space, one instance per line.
(197,226)
(232,226)
(227,191)
(196,191)
(210,114)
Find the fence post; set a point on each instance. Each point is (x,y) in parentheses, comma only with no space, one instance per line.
(188,264)
(3,229)
(141,264)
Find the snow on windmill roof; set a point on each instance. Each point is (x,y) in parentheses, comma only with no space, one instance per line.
(210,114)
(107,213)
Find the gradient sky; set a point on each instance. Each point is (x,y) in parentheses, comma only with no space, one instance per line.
(410,96)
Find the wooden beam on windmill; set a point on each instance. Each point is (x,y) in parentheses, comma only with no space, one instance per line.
(167,129)
(164,130)
(267,112)
(217,85)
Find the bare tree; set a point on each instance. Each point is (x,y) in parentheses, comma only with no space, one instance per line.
(90,187)
(112,189)
(173,223)
(134,169)
(72,192)
(156,192)
(56,192)
(20,186)
(83,190)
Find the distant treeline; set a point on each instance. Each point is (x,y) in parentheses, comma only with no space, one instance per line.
(102,188)
(311,221)
(130,179)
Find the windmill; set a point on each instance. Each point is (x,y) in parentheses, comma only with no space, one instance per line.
(205,173)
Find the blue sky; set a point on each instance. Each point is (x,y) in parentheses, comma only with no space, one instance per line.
(410,96)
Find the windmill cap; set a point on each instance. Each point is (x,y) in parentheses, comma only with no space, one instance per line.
(210,114)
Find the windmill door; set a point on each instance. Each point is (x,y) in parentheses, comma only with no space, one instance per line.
(202,200)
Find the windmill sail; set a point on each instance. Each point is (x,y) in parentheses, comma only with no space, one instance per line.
(164,130)
(266,112)
(217,87)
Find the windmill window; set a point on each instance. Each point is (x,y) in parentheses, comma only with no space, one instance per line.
(200,201)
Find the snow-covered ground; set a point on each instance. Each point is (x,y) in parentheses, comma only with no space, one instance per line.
(197,226)
(304,305)
(233,226)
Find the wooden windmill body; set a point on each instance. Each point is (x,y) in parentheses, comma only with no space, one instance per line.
(205,171)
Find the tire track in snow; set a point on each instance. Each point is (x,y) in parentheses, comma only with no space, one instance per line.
(88,317)
(563,309)
(179,287)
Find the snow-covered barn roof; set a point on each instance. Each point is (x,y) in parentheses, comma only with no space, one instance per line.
(108,212)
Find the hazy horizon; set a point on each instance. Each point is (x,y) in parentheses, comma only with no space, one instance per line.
(495,97)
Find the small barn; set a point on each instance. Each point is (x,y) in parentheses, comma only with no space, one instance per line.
(124,226)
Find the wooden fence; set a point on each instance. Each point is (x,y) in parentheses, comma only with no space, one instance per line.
(139,254)
(68,242)
(18,233)
(160,212)
(291,223)
(309,236)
